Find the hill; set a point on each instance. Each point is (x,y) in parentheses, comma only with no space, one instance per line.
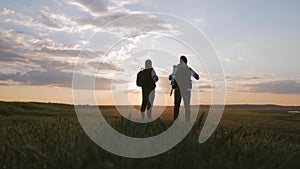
(48,135)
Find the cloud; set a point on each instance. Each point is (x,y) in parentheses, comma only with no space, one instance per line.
(199,20)
(7,53)
(52,65)
(31,52)
(59,52)
(104,66)
(44,43)
(55,78)
(242,77)
(47,19)
(4,44)
(127,25)
(12,39)
(96,22)
(205,86)
(132,91)
(93,6)
(8,56)
(103,7)
(9,15)
(276,87)
(49,22)
(3,84)
(19,18)
(42,19)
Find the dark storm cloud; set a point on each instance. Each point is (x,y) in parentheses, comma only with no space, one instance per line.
(277,87)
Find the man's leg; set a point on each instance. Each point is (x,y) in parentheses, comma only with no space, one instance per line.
(144,103)
(150,103)
(186,95)
(177,101)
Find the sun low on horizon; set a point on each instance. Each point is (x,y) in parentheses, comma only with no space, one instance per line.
(42,42)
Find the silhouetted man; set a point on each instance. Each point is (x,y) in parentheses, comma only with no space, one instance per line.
(182,84)
(146,79)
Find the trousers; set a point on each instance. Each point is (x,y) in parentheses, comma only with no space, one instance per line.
(185,94)
(148,95)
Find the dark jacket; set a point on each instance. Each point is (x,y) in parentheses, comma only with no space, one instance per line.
(150,79)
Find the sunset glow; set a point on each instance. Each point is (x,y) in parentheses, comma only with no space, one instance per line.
(41,41)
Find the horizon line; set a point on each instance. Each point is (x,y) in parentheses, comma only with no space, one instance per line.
(233,104)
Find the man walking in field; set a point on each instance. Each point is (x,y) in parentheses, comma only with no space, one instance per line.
(182,84)
(147,79)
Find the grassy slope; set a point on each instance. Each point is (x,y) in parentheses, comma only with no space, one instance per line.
(41,135)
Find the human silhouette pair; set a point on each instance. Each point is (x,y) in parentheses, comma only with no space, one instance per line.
(180,81)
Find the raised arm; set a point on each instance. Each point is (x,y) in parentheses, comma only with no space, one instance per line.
(194,74)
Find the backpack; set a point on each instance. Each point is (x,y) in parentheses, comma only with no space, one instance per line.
(181,77)
(144,78)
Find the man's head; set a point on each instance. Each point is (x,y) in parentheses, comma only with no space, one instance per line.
(183,59)
(148,64)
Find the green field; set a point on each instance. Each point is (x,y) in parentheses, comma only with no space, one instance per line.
(42,135)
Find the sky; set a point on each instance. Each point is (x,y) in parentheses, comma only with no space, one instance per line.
(43,42)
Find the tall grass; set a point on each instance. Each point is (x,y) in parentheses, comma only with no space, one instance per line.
(58,141)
